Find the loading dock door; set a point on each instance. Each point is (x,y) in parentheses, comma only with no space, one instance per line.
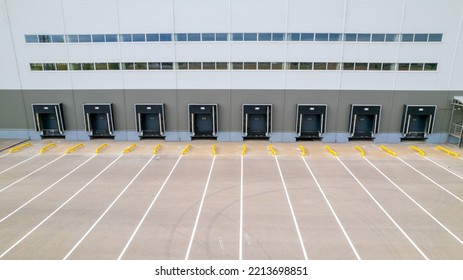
(364,121)
(418,121)
(257,121)
(203,120)
(310,121)
(99,120)
(48,119)
(150,121)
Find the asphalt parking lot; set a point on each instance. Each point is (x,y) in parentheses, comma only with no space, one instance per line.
(261,202)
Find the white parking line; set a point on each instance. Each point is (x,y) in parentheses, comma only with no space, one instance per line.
(4,155)
(59,208)
(199,210)
(292,210)
(19,163)
(384,211)
(109,207)
(35,171)
(416,203)
(332,210)
(148,210)
(45,190)
(443,167)
(241,209)
(434,182)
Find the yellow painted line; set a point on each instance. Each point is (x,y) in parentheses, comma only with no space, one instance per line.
(302,150)
(20,147)
(213,149)
(362,152)
(447,151)
(129,149)
(384,148)
(272,150)
(328,148)
(98,150)
(155,150)
(44,149)
(418,150)
(244,150)
(187,148)
(73,149)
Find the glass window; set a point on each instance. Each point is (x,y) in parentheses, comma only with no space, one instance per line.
(388,67)
(36,67)
(319,66)
(98,38)
(404,66)
(392,37)
(111,38)
(277,65)
(265,36)
(350,37)
(294,36)
(208,37)
(57,38)
(333,66)
(194,37)
(88,66)
(182,66)
(321,36)
(430,67)
(264,65)
(165,38)
(364,37)
(250,65)
(194,65)
(307,36)
(435,38)
(138,37)
(222,65)
(348,66)
(335,36)
(32,39)
(167,65)
(101,66)
(208,65)
(114,66)
(416,67)
(62,66)
(85,38)
(421,37)
(140,66)
(221,37)
(128,66)
(407,38)
(361,66)
(293,65)
(180,37)
(76,66)
(374,66)
(72,38)
(378,37)
(154,65)
(125,37)
(250,36)
(305,65)
(49,67)
(237,36)
(278,36)
(237,65)
(44,38)
(152,37)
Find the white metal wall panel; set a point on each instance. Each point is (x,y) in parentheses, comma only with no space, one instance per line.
(257,51)
(90,17)
(203,80)
(249,79)
(149,80)
(141,16)
(201,15)
(364,80)
(316,16)
(202,52)
(312,79)
(374,16)
(8,79)
(258,16)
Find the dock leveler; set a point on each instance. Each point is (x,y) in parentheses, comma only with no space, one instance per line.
(99,120)
(203,120)
(48,119)
(150,120)
(310,121)
(257,121)
(417,121)
(364,121)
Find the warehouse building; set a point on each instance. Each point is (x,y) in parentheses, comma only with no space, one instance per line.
(232,70)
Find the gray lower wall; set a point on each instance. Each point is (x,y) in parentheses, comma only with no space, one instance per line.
(16,117)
